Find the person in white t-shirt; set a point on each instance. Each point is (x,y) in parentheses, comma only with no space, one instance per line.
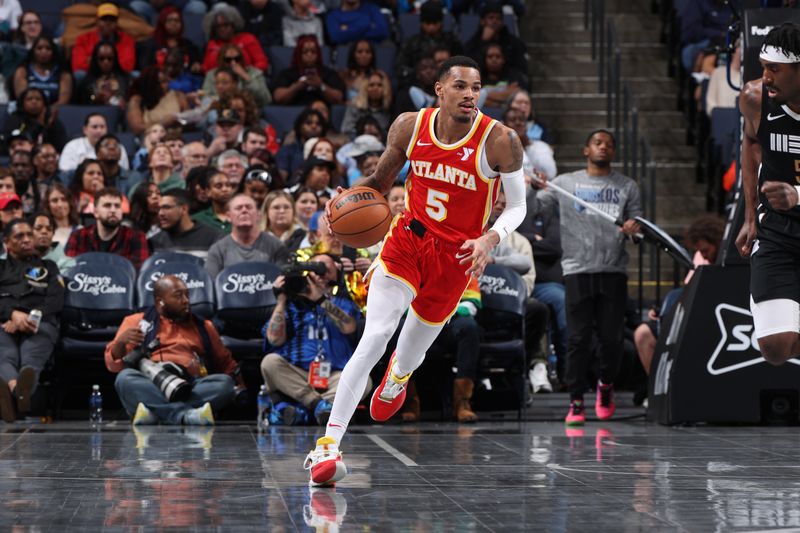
(75,151)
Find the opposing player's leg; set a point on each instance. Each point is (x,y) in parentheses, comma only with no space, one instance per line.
(415,339)
(388,299)
(777,328)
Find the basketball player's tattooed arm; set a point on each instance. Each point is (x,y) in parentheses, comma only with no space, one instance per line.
(343,322)
(393,159)
(750,104)
(504,154)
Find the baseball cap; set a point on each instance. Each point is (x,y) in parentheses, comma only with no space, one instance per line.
(313,161)
(19,134)
(107,10)
(7,198)
(229,116)
(365,144)
(431,11)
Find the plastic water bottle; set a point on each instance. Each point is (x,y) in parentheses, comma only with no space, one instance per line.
(96,406)
(552,364)
(264,406)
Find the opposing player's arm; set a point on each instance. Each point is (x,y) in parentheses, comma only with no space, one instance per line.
(750,105)
(393,159)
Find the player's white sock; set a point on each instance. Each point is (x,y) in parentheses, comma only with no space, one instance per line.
(415,339)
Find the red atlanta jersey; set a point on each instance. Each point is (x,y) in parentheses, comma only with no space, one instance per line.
(446,189)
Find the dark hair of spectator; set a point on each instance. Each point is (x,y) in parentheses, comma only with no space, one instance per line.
(160,34)
(485,50)
(36,151)
(8,229)
(21,101)
(601,130)
(786,36)
(89,117)
(251,110)
(366,120)
(73,208)
(197,177)
(142,219)
(19,37)
(148,86)
(55,60)
(455,61)
(48,216)
(106,137)
(224,50)
(398,183)
(229,71)
(253,131)
(77,179)
(304,114)
(298,51)
(301,191)
(709,228)
(107,191)
(94,62)
(352,64)
(181,197)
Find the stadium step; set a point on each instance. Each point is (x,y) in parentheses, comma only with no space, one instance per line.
(588,84)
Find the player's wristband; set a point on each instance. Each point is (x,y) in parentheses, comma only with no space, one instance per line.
(797,188)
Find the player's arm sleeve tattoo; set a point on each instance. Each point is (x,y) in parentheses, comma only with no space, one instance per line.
(393,159)
(343,322)
(276,329)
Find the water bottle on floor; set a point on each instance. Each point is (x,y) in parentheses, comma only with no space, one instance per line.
(96,407)
(264,406)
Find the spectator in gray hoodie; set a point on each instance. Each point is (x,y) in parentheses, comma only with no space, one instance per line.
(594,262)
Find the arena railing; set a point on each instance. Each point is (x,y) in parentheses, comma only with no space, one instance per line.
(634,150)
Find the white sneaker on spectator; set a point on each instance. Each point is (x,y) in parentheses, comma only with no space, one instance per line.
(538,377)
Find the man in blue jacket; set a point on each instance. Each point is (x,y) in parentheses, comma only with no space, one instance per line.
(356,20)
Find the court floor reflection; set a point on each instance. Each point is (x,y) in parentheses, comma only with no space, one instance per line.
(625,475)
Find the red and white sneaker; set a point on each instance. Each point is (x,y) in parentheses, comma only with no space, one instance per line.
(390,395)
(325,463)
(576,416)
(604,405)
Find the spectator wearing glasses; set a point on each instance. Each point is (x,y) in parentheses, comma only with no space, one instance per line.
(45,162)
(246,241)
(178,231)
(308,78)
(223,25)
(219,191)
(248,77)
(30,27)
(94,127)
(107,30)
(108,234)
(234,165)
(44,70)
(301,20)
(27,282)
(105,82)
(257,183)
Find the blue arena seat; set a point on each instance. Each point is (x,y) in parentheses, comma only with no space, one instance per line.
(168,256)
(494,112)
(502,316)
(724,131)
(197,279)
(244,303)
(282,117)
(337,115)
(193,29)
(73,116)
(129,141)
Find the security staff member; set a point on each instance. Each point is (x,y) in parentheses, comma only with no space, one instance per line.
(27,283)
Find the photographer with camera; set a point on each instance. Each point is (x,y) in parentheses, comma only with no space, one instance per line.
(312,331)
(172,366)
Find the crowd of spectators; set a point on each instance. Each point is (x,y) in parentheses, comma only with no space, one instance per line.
(226,148)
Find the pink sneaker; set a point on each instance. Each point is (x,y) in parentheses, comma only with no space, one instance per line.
(576,415)
(604,406)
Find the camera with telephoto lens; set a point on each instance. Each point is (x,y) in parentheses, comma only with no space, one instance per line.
(168,377)
(296,275)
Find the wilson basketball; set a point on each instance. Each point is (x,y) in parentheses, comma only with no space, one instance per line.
(360,217)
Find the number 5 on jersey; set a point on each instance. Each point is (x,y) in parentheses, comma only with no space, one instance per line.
(435,205)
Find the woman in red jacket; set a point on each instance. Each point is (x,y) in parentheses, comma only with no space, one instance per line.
(223,25)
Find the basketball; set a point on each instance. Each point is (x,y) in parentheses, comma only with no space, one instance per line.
(360,217)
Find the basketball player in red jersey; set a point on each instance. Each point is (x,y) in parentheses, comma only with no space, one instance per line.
(456,155)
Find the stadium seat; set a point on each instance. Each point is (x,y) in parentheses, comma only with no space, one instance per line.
(724,132)
(167,256)
(193,29)
(409,24)
(244,303)
(282,117)
(502,316)
(494,112)
(198,281)
(337,115)
(73,116)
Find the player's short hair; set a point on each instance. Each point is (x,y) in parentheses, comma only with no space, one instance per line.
(180,196)
(601,130)
(456,61)
(786,36)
